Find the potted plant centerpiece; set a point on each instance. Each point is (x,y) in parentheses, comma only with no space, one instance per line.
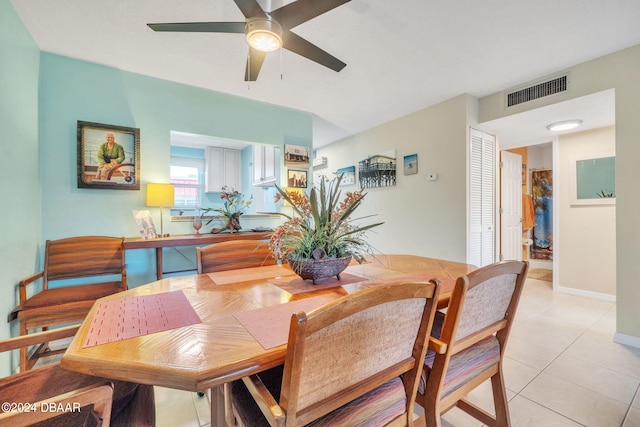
(234,205)
(321,238)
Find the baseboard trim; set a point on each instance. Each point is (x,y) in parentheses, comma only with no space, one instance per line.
(587,294)
(626,340)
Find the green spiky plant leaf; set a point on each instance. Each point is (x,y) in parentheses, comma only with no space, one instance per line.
(322,221)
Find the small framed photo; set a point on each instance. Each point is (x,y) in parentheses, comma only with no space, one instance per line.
(297,178)
(348,175)
(296,156)
(411,164)
(145,224)
(108,156)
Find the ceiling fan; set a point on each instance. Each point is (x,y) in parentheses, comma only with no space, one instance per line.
(268,31)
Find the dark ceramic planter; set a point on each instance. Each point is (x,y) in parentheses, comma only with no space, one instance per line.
(316,269)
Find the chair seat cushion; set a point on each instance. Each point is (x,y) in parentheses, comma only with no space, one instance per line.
(376,408)
(464,366)
(42,383)
(53,297)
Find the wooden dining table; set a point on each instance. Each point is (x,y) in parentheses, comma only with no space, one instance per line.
(200,332)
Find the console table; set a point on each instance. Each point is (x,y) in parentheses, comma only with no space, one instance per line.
(188,240)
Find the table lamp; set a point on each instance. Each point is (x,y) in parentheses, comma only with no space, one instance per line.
(160,195)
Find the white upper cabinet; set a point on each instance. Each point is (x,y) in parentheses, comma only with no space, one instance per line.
(223,168)
(265,168)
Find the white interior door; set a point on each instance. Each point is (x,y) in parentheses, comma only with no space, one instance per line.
(511,206)
(482,202)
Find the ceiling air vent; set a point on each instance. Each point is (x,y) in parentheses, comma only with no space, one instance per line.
(537,91)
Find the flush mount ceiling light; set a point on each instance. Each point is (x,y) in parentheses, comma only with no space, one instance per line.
(263,34)
(564,125)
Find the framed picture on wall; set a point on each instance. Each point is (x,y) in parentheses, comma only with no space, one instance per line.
(296,178)
(296,156)
(108,156)
(411,164)
(592,180)
(378,170)
(348,175)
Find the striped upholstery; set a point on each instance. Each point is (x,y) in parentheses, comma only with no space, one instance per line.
(464,366)
(376,408)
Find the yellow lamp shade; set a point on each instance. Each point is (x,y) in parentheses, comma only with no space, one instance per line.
(160,195)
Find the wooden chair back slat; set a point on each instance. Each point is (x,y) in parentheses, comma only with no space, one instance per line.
(83,257)
(233,255)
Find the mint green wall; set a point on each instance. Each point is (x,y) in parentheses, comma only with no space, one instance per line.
(72,90)
(19,188)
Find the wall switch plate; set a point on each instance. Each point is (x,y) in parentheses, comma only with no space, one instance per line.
(432,176)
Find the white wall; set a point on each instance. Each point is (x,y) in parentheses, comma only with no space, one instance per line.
(540,157)
(587,250)
(618,71)
(420,217)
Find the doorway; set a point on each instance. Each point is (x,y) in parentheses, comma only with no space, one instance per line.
(531,222)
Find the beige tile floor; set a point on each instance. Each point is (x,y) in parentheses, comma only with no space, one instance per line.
(562,368)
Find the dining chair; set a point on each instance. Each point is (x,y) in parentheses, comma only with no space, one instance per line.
(51,396)
(468,343)
(232,255)
(354,361)
(98,264)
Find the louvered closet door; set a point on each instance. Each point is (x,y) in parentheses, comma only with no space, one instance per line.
(482,235)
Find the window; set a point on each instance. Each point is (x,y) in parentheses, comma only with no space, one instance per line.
(187,176)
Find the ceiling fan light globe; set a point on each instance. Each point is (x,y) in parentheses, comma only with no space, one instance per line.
(264,41)
(263,34)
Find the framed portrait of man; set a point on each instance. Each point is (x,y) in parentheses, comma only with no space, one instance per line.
(108,156)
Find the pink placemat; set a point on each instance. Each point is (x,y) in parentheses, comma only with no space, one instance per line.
(116,320)
(253,273)
(270,325)
(298,285)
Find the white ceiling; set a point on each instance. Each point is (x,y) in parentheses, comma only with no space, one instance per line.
(401,56)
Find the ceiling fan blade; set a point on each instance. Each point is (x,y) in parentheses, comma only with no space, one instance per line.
(250,8)
(200,27)
(255,59)
(301,11)
(302,47)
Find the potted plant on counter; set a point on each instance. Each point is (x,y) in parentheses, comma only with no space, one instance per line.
(234,205)
(321,238)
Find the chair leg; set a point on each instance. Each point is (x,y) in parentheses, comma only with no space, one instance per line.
(230,418)
(431,415)
(500,399)
(27,361)
(24,351)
